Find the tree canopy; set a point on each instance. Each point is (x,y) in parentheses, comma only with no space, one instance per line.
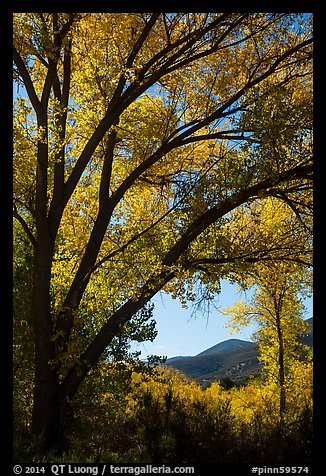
(152,151)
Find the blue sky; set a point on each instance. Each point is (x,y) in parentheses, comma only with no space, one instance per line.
(180,333)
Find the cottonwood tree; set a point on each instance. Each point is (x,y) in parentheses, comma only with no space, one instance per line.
(141,140)
(277,307)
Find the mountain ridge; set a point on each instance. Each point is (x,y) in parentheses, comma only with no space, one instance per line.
(234,359)
(228,345)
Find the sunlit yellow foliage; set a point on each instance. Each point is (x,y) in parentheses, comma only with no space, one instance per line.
(189,178)
(255,401)
(153,152)
(276,305)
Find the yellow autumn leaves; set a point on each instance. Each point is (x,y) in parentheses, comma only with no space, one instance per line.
(256,399)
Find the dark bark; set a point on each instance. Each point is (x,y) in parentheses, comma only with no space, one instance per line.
(281,369)
(51,399)
(76,375)
(156,283)
(45,407)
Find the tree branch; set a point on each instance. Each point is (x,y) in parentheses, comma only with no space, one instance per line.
(26,228)
(216,135)
(227,205)
(59,167)
(36,103)
(191,38)
(247,258)
(221,109)
(157,282)
(137,47)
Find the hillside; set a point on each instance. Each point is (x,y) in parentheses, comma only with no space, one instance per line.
(230,345)
(234,358)
(307,338)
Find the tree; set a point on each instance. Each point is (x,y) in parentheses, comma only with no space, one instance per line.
(23,349)
(276,305)
(142,139)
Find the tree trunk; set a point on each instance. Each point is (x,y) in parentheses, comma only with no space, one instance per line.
(281,370)
(46,406)
(46,411)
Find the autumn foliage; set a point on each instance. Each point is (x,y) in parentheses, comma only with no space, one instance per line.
(163,418)
(152,151)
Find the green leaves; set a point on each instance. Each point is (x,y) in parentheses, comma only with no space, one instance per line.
(153,151)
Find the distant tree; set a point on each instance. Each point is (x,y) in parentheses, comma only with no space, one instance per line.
(276,305)
(144,141)
(227,383)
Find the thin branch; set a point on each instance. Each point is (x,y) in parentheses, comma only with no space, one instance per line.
(143,36)
(115,108)
(221,109)
(217,135)
(28,83)
(293,207)
(137,47)
(26,228)
(63,98)
(225,206)
(247,258)
(191,38)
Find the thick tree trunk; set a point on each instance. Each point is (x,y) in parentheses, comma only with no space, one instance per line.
(46,411)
